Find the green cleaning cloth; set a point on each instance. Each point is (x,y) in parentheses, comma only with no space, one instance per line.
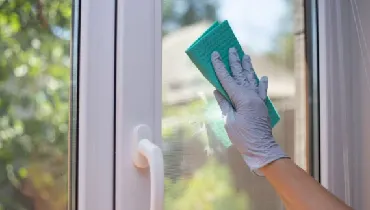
(220,37)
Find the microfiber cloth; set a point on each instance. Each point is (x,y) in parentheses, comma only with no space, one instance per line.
(220,37)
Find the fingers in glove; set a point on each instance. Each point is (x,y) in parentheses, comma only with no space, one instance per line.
(262,88)
(252,81)
(225,106)
(247,66)
(227,81)
(236,66)
(247,63)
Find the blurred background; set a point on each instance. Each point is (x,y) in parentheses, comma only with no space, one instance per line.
(200,172)
(34,107)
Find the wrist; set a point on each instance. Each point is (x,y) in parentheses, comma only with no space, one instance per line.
(273,165)
(260,159)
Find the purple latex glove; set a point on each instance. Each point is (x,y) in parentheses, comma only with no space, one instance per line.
(248,126)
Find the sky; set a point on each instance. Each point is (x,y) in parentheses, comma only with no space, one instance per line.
(255,22)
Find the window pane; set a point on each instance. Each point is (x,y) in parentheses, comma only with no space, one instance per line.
(34,108)
(200,172)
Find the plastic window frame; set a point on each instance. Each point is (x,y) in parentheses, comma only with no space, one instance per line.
(91,143)
(336,82)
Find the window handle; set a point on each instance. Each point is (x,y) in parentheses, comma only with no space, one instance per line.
(148,155)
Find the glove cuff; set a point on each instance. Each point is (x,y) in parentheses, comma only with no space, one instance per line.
(257,161)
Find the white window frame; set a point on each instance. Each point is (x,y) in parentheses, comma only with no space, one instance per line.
(331,138)
(343,117)
(139,71)
(95,143)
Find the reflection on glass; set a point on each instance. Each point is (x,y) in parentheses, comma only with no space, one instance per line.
(34,83)
(200,172)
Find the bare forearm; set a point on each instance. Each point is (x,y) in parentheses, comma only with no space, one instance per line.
(298,190)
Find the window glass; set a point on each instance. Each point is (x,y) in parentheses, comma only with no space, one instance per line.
(200,172)
(34,108)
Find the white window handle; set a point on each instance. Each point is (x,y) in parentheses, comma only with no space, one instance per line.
(147,154)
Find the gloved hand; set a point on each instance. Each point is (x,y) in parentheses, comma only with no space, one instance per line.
(248,126)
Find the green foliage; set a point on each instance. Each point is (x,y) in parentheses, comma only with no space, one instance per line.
(34,83)
(283,51)
(178,13)
(210,188)
(185,117)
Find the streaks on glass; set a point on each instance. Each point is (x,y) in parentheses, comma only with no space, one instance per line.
(200,172)
(365,54)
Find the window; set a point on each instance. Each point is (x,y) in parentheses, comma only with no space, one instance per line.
(200,172)
(78,78)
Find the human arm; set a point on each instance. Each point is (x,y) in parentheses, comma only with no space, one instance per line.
(297,189)
(248,126)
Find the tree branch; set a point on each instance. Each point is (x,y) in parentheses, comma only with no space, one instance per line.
(40,14)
